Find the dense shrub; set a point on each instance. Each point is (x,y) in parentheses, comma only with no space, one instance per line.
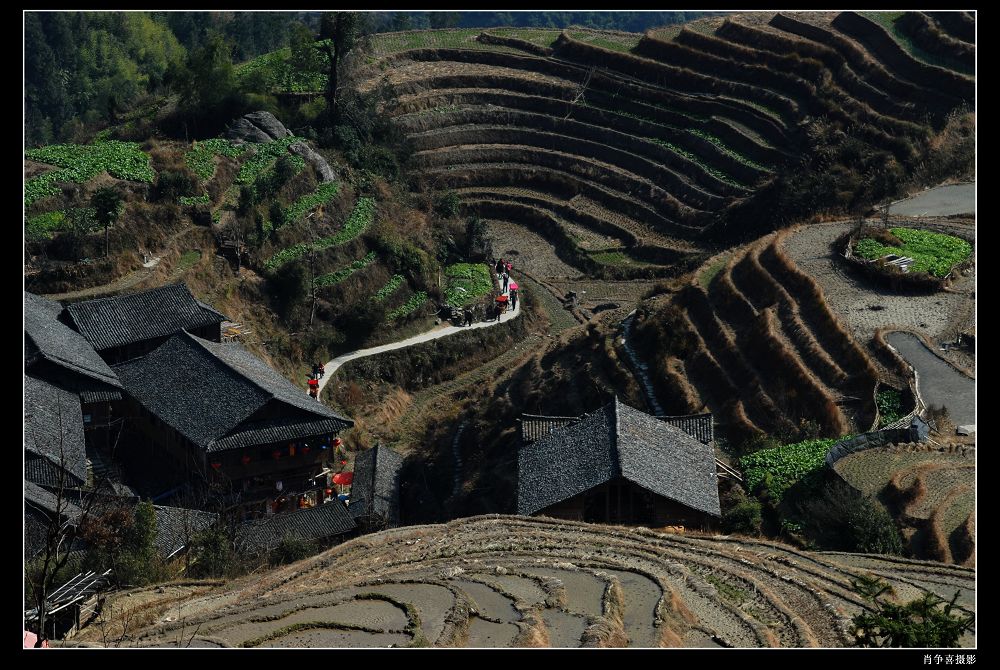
(843,519)
(292,549)
(742,515)
(171,185)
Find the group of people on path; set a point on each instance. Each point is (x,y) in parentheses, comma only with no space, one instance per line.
(318,370)
(508,295)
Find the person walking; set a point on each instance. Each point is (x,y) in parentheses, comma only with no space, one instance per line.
(506,278)
(513,298)
(468,316)
(499,309)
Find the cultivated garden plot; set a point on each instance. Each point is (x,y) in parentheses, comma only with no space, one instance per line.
(932,253)
(82,162)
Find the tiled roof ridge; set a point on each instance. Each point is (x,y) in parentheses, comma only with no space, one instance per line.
(615,456)
(74,365)
(228,366)
(124,296)
(272,396)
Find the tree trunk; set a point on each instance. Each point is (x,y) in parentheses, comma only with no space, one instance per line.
(331,86)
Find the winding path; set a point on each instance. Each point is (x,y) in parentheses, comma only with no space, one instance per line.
(438,332)
(939,201)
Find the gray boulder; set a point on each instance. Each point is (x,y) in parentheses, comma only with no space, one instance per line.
(323,170)
(244,131)
(267,122)
(259,127)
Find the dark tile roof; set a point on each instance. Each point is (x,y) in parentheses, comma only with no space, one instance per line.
(536,426)
(176,527)
(666,460)
(44,472)
(617,441)
(278,430)
(126,319)
(53,432)
(47,338)
(699,426)
(209,392)
(314,523)
(43,500)
(375,488)
(99,396)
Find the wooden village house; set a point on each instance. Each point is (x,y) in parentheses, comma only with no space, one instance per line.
(618,465)
(61,357)
(214,417)
(123,327)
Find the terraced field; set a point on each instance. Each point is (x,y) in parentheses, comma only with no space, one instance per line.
(514,581)
(766,349)
(930,489)
(624,151)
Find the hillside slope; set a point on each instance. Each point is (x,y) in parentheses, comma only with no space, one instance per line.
(515,581)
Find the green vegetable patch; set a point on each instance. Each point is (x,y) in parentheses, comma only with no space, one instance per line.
(342,274)
(408,307)
(81,162)
(933,253)
(786,465)
(200,158)
(41,227)
(890,406)
(467,282)
(324,193)
(359,220)
(390,287)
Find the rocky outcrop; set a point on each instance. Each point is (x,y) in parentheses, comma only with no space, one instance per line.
(323,170)
(259,127)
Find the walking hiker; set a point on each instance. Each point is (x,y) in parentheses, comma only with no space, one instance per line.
(499,309)
(322,370)
(315,373)
(499,267)
(506,278)
(468,316)
(509,266)
(513,298)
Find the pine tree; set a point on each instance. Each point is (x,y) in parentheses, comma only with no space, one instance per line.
(919,623)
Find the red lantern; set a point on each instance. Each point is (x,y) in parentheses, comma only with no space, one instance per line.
(337,441)
(305,450)
(216,465)
(343,478)
(276,454)
(329,492)
(245,460)
(343,462)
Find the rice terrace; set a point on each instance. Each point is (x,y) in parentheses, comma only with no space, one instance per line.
(500,329)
